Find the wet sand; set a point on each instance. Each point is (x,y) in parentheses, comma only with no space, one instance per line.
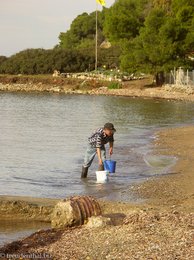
(26,208)
(160,228)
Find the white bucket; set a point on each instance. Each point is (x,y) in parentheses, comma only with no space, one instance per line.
(102,176)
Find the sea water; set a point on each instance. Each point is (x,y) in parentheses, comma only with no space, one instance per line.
(43,138)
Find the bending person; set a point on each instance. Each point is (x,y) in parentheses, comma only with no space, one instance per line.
(96,145)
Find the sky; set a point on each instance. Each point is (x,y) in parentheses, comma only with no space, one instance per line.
(37,23)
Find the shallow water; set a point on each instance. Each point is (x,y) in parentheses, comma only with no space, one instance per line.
(43,138)
(160,161)
(10,231)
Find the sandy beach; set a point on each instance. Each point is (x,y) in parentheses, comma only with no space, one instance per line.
(176,189)
(159,228)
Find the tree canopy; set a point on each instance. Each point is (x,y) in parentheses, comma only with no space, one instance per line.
(40,61)
(82,31)
(163,41)
(124,19)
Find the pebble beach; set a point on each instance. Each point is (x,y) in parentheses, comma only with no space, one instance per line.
(159,228)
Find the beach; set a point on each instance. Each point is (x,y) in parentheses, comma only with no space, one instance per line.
(160,227)
(176,189)
(143,88)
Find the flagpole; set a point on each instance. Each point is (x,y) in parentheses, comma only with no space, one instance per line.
(96,48)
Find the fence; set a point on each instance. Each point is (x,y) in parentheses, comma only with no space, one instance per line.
(180,77)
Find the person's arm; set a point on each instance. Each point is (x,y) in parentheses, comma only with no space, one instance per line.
(111,148)
(111,143)
(99,156)
(98,149)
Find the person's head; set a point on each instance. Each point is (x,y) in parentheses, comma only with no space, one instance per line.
(109,129)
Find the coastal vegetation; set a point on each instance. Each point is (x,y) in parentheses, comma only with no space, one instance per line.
(149,36)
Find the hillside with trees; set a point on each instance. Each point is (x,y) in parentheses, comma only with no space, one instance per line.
(40,61)
(150,36)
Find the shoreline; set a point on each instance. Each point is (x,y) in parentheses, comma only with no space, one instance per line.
(175,189)
(135,88)
(142,230)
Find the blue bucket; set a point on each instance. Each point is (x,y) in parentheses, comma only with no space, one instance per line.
(110,166)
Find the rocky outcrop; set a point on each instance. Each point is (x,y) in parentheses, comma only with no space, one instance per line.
(188,89)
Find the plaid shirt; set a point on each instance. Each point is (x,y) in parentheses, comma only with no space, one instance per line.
(98,139)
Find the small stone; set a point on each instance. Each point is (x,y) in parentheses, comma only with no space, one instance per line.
(99,221)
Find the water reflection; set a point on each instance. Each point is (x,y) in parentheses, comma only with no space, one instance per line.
(11,230)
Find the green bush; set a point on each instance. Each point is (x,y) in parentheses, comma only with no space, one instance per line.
(114,85)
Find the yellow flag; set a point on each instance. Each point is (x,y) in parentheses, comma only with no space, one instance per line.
(101,2)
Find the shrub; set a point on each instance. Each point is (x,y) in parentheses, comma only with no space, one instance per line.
(114,85)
